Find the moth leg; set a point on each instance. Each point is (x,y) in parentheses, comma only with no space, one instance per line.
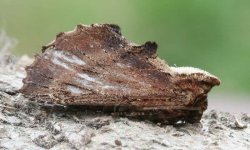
(117,114)
(194,117)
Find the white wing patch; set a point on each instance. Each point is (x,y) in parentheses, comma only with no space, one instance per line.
(61,63)
(88,78)
(71,59)
(73,89)
(109,87)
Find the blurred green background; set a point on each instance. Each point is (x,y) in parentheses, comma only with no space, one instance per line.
(210,34)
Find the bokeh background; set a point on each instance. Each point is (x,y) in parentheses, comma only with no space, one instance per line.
(210,34)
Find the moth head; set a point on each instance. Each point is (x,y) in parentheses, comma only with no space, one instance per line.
(196,74)
(194,81)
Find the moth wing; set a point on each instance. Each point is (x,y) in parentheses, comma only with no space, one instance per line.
(95,78)
(96,65)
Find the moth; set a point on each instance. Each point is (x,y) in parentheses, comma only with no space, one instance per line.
(96,66)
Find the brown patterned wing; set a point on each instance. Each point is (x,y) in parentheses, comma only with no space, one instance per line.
(96,66)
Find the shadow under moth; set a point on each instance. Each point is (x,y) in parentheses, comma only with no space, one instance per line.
(96,66)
